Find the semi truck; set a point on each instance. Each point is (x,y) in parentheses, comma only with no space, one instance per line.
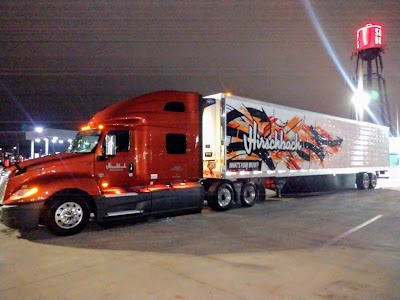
(170,151)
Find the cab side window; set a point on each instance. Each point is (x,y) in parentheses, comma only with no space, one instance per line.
(175,106)
(176,143)
(122,140)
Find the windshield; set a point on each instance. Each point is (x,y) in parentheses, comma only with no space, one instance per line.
(85,141)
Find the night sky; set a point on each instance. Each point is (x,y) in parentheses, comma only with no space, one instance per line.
(61,61)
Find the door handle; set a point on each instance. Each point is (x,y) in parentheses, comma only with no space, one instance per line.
(131,169)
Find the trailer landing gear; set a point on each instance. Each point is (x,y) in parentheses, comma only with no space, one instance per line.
(279,184)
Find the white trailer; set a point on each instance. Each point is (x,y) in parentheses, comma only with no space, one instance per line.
(246,140)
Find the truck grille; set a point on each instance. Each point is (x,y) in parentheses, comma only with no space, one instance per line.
(3,183)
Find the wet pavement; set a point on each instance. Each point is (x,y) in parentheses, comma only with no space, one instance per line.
(341,245)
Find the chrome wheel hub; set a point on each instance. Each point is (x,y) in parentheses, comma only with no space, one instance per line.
(68,215)
(224,197)
(249,194)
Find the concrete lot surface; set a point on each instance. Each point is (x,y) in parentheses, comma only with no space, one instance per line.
(328,246)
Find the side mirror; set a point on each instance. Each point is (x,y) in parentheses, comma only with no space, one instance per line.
(109,147)
(111,144)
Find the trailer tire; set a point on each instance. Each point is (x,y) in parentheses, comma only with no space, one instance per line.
(248,194)
(362,181)
(221,197)
(67,216)
(373,180)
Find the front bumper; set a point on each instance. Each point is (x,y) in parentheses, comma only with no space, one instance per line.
(22,216)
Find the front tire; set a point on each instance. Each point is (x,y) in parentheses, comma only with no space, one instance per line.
(67,216)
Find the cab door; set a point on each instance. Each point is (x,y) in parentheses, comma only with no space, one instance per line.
(116,172)
(117,180)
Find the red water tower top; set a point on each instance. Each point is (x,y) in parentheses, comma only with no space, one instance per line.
(369,36)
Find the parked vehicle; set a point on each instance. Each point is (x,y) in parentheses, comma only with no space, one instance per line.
(168,151)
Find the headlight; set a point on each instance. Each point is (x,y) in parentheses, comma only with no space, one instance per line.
(23,193)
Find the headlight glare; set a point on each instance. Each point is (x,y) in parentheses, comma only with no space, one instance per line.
(24,193)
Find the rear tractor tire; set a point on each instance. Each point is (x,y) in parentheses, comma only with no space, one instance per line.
(221,199)
(248,194)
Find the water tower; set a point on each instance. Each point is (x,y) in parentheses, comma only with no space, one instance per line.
(369,73)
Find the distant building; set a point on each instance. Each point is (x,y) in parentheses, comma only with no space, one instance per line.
(48,141)
(394,150)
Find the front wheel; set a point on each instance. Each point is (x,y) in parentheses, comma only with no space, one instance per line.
(67,216)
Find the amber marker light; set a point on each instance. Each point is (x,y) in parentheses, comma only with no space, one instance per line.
(104,184)
(101,127)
